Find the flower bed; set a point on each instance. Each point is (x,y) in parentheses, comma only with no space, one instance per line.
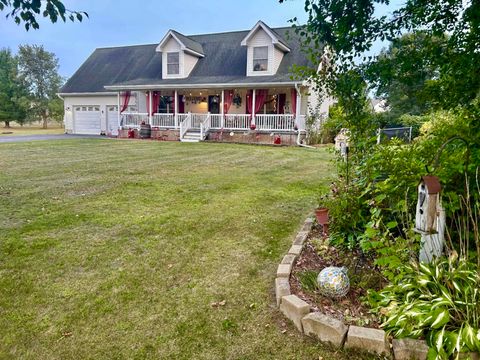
(316,255)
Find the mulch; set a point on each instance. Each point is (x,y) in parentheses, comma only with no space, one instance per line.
(352,309)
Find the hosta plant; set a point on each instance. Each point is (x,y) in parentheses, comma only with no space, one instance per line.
(439,302)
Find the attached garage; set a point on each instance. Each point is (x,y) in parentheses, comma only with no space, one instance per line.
(87,120)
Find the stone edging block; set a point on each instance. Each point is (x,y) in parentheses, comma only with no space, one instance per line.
(282,288)
(372,340)
(295,250)
(284,270)
(325,328)
(295,309)
(300,238)
(408,349)
(288,259)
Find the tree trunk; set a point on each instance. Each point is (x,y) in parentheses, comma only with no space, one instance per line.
(7,124)
(45,122)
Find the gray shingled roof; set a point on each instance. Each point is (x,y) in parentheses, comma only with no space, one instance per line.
(224,62)
(189,43)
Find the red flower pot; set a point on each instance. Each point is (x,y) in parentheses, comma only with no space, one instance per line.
(322,215)
(322,218)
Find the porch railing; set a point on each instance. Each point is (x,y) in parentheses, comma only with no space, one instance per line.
(237,121)
(205,126)
(275,122)
(216,121)
(163,120)
(133,119)
(198,119)
(270,122)
(185,124)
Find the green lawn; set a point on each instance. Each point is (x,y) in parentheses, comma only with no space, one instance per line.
(117,249)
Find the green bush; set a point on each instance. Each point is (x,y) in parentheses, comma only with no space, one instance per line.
(439,302)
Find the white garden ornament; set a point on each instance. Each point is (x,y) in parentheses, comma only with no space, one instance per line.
(333,282)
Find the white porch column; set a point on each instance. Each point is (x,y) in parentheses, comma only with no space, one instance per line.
(118,109)
(222,120)
(253,108)
(176,109)
(150,107)
(299,105)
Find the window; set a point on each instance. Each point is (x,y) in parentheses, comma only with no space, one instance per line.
(173,63)
(260,58)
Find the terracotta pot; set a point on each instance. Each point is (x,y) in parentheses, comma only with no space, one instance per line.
(322,215)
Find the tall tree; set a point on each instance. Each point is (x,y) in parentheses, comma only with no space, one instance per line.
(39,72)
(12,93)
(350,28)
(406,74)
(27,11)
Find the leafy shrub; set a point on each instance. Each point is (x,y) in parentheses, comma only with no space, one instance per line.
(439,302)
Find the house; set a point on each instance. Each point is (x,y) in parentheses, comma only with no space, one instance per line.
(193,87)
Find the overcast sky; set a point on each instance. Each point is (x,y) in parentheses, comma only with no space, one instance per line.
(127,22)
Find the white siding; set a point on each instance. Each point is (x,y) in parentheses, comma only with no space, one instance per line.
(190,61)
(277,59)
(260,38)
(318,105)
(172,46)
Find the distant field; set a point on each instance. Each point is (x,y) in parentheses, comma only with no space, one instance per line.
(31,129)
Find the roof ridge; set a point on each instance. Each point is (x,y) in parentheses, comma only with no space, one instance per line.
(237,31)
(214,33)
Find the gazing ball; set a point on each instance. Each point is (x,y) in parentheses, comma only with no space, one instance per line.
(333,282)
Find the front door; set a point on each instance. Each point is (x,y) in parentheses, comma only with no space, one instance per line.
(214,104)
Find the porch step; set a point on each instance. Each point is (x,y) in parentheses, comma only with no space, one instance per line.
(191,136)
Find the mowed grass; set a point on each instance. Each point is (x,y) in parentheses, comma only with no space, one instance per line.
(117,249)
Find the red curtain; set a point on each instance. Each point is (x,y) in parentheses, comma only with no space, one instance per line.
(260,97)
(155,101)
(282,99)
(227,101)
(294,101)
(181,104)
(126,99)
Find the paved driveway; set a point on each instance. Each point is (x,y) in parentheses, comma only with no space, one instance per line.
(21,138)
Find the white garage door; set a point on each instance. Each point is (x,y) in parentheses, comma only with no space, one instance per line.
(112,120)
(87,120)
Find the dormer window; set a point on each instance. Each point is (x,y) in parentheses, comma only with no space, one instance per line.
(260,58)
(173,63)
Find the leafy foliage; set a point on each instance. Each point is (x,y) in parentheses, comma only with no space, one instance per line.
(438,301)
(39,74)
(341,32)
(27,11)
(308,280)
(12,93)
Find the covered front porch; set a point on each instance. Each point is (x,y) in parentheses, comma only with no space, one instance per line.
(196,113)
